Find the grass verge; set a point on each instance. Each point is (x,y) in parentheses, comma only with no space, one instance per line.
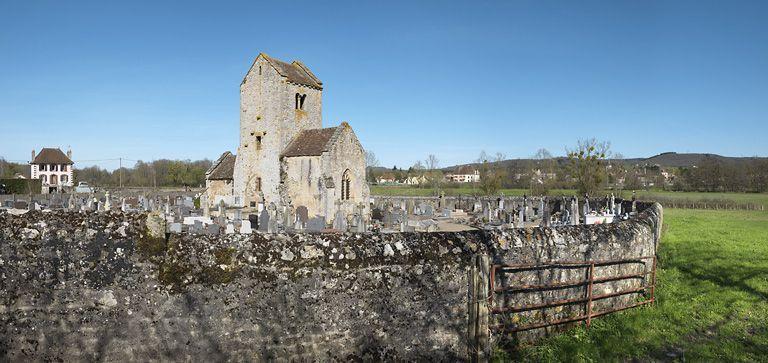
(712,299)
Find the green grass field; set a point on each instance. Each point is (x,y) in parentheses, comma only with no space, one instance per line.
(712,299)
(741,198)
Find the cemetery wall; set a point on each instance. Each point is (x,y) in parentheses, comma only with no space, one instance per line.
(92,286)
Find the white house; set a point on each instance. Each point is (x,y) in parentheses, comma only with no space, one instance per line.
(53,168)
(464,174)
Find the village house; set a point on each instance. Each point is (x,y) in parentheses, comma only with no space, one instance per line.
(386,178)
(53,168)
(464,174)
(415,180)
(286,157)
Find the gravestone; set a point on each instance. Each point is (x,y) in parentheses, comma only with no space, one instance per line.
(316,224)
(429,211)
(213,229)
(204,204)
(175,228)
(197,227)
(574,211)
(544,213)
(377,214)
(486,211)
(340,221)
(302,215)
(254,221)
(229,229)
(264,220)
(107,202)
(245,227)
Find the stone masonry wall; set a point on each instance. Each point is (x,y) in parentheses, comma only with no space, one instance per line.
(92,286)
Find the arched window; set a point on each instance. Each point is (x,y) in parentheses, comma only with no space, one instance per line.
(300,101)
(346,182)
(44,179)
(64,179)
(54,179)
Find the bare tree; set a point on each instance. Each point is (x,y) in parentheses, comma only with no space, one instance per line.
(499,157)
(542,154)
(586,164)
(370,162)
(433,174)
(370,159)
(432,162)
(483,157)
(491,172)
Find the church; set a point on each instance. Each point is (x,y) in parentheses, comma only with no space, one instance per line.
(286,157)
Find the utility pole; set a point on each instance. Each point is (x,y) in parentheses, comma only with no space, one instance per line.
(121,173)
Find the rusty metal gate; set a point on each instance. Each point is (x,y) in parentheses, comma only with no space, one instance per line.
(587,299)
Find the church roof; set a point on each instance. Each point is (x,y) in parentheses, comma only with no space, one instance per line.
(223,168)
(313,142)
(51,156)
(296,72)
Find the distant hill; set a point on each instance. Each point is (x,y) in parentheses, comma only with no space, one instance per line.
(673,159)
(667,159)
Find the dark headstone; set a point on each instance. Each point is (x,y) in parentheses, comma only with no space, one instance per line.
(316,224)
(263,220)
(302,214)
(377,214)
(254,219)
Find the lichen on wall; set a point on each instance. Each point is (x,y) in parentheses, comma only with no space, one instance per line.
(93,286)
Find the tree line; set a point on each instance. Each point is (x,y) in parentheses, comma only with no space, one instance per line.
(158,173)
(590,167)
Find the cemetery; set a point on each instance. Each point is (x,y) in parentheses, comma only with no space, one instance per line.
(191,212)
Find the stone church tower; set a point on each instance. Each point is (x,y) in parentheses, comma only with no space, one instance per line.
(286,157)
(277,101)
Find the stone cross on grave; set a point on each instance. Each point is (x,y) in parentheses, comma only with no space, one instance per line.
(272,222)
(204,204)
(107,202)
(612,203)
(586,204)
(574,211)
(545,215)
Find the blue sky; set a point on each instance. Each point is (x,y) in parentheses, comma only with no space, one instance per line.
(159,79)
